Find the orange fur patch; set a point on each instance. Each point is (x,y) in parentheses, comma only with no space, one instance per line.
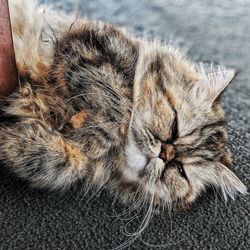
(42,69)
(74,155)
(71,152)
(78,119)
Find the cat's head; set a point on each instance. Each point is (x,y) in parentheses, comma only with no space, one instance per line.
(177,141)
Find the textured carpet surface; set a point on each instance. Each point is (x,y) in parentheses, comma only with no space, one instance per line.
(217,31)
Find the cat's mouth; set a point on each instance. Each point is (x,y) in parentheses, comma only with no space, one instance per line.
(174,164)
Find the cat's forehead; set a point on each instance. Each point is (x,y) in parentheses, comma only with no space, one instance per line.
(164,81)
(163,75)
(168,62)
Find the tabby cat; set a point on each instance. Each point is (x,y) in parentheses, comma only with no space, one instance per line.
(100,105)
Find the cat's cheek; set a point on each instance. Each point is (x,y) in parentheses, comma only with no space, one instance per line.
(134,157)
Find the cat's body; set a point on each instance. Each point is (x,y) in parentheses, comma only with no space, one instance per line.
(97,104)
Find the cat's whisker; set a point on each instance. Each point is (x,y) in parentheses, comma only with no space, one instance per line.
(127,213)
(145,220)
(107,87)
(136,205)
(146,243)
(93,194)
(98,94)
(105,123)
(133,236)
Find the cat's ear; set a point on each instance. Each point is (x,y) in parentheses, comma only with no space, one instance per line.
(210,86)
(229,183)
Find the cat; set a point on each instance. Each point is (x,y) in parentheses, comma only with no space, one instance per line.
(97,104)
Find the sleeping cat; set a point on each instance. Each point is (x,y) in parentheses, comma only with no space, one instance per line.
(99,105)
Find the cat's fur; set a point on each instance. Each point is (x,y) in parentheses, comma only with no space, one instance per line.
(97,104)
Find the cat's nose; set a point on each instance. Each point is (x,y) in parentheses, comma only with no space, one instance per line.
(167,152)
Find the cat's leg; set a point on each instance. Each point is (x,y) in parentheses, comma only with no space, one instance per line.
(40,155)
(96,134)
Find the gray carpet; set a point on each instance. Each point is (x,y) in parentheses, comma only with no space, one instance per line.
(217,31)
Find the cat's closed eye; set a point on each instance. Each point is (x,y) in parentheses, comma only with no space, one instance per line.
(181,170)
(174,127)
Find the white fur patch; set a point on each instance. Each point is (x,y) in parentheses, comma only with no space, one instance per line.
(130,174)
(135,158)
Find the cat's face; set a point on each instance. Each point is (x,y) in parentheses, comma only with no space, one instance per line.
(177,142)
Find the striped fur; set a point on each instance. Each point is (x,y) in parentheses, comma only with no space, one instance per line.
(98,104)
